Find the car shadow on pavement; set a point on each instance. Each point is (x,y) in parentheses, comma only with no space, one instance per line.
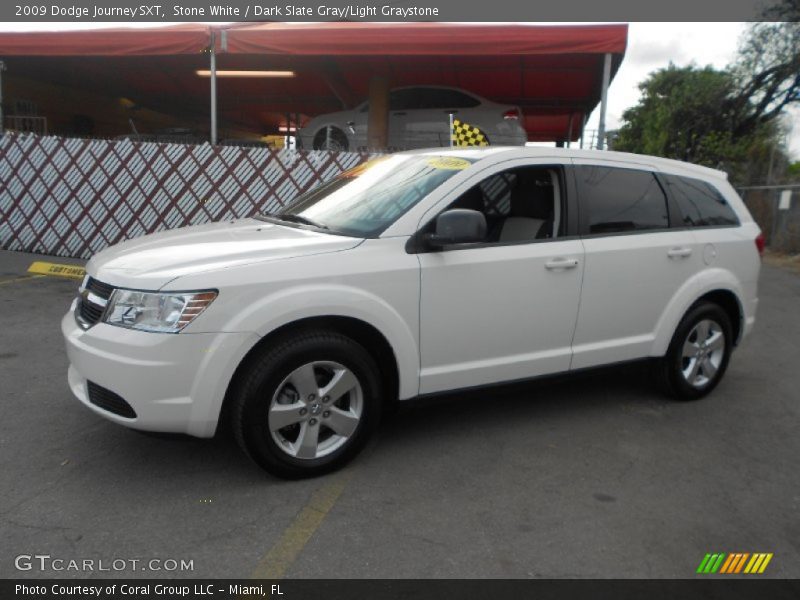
(158,455)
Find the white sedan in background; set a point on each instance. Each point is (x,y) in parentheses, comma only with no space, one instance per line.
(419,117)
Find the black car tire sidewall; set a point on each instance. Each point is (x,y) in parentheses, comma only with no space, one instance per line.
(267,373)
(672,362)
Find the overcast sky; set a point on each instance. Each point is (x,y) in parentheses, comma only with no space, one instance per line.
(650,46)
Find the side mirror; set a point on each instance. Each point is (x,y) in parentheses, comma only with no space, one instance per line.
(458,226)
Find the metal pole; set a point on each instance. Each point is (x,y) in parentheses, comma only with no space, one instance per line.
(213,68)
(2,118)
(583,129)
(451,129)
(569,133)
(601,128)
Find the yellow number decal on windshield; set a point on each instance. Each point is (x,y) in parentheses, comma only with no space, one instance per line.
(449,162)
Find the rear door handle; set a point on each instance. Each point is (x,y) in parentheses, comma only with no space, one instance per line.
(399,114)
(680,252)
(561,263)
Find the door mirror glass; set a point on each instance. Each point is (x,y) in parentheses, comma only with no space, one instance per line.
(458,226)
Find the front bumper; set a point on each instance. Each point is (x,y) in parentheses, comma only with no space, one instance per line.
(174,382)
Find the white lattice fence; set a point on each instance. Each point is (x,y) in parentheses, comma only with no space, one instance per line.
(74,197)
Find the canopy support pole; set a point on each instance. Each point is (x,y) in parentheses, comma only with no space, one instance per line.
(601,128)
(583,128)
(378,117)
(213,69)
(2,118)
(569,132)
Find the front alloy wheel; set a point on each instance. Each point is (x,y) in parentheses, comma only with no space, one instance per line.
(315,410)
(306,403)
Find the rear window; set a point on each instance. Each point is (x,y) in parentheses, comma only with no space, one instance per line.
(700,203)
(620,200)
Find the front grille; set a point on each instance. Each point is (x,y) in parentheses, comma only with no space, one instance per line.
(89,312)
(108,400)
(99,288)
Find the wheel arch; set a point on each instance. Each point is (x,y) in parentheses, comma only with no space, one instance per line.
(730,303)
(360,331)
(719,287)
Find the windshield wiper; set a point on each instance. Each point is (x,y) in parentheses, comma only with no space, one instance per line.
(297,219)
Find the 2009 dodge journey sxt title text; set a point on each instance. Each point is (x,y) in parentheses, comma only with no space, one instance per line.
(412,274)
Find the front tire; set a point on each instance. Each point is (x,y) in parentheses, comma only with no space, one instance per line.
(336,142)
(698,354)
(307,405)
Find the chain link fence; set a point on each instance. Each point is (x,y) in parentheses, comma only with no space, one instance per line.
(776,209)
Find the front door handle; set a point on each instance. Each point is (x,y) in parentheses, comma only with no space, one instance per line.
(561,263)
(680,252)
(399,114)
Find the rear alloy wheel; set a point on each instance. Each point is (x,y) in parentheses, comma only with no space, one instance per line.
(699,352)
(307,404)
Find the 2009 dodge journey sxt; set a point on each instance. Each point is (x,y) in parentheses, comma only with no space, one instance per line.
(413,274)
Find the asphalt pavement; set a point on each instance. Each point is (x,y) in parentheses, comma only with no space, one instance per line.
(596,475)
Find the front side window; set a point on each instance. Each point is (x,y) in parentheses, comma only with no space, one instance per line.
(617,200)
(367,199)
(520,205)
(701,204)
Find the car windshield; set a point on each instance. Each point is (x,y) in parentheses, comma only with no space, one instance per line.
(367,199)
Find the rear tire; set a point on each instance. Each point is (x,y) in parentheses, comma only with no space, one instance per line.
(307,404)
(698,354)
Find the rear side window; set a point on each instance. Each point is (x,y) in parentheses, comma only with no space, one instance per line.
(620,200)
(700,203)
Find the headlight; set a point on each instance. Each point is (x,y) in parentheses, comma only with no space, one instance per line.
(167,312)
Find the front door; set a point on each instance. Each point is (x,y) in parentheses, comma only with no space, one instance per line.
(505,309)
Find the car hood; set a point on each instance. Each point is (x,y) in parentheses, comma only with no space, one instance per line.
(151,261)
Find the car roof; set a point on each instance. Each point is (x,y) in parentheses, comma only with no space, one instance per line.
(659,163)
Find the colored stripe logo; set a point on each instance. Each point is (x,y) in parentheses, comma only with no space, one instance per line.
(737,562)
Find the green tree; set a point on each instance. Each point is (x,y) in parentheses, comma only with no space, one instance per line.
(673,118)
(724,118)
(767,73)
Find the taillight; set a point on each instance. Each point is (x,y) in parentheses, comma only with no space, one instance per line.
(511,114)
(760,243)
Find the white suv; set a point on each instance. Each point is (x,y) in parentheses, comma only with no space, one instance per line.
(414,274)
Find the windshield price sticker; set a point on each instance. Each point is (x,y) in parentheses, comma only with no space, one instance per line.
(448,162)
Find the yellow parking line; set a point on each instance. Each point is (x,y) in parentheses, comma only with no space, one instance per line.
(48,268)
(20,279)
(275,563)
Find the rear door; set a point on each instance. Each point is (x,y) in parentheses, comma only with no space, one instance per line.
(634,262)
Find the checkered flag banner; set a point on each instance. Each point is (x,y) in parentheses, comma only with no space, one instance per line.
(465,134)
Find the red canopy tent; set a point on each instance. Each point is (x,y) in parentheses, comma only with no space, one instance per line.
(554,73)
